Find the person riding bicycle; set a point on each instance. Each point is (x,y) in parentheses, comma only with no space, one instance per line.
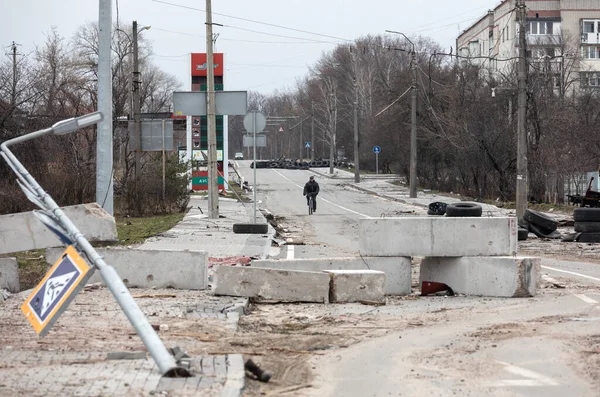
(311,189)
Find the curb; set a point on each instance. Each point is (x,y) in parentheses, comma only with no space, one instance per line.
(236,375)
(385,196)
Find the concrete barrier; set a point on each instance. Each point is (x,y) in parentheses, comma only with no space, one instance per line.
(152,268)
(23,231)
(356,286)
(438,236)
(397,269)
(499,276)
(9,275)
(276,284)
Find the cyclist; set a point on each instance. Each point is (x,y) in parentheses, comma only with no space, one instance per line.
(311,188)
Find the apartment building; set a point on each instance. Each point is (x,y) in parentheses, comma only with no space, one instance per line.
(563,41)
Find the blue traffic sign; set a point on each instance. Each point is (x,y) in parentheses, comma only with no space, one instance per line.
(376,149)
(54,293)
(307,145)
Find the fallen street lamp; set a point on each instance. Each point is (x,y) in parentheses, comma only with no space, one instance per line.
(54,217)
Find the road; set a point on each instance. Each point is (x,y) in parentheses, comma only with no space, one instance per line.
(542,346)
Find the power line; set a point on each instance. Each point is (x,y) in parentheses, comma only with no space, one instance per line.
(253,41)
(253,21)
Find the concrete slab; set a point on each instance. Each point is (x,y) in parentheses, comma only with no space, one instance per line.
(356,286)
(9,275)
(23,231)
(499,276)
(438,236)
(285,285)
(397,269)
(152,268)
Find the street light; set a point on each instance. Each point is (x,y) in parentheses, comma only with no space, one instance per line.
(413,130)
(58,220)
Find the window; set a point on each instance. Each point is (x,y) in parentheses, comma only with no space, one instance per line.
(589,26)
(539,27)
(591,79)
(591,52)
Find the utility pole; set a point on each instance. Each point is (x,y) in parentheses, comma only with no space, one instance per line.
(137,128)
(356,140)
(213,183)
(413,127)
(312,131)
(301,140)
(332,126)
(13,94)
(104,141)
(522,172)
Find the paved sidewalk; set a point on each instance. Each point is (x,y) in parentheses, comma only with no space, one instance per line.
(74,358)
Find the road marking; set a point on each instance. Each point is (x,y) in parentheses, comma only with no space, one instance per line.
(325,200)
(290,253)
(533,378)
(573,273)
(585,298)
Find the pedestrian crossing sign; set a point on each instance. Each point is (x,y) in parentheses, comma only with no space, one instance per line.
(57,289)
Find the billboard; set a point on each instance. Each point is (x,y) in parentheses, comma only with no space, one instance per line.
(199,65)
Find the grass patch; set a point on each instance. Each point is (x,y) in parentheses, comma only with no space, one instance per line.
(33,266)
(136,230)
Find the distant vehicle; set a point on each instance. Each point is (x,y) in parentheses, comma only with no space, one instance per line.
(239,156)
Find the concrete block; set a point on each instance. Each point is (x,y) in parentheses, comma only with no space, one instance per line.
(285,285)
(397,269)
(356,286)
(500,276)
(9,275)
(152,268)
(438,236)
(23,231)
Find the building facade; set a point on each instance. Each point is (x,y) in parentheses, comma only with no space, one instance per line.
(563,41)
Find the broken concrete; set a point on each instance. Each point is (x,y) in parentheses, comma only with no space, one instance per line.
(23,231)
(271,284)
(356,286)
(9,275)
(397,269)
(152,268)
(499,276)
(438,236)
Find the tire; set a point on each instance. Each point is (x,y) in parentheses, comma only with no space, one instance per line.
(313,164)
(541,220)
(463,210)
(589,238)
(587,227)
(250,228)
(273,165)
(543,233)
(437,208)
(586,215)
(522,234)
(310,206)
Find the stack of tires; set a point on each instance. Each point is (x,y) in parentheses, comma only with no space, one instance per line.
(540,224)
(587,224)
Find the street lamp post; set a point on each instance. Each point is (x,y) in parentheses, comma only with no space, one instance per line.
(413,130)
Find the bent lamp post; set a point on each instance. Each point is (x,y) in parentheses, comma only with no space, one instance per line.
(61,223)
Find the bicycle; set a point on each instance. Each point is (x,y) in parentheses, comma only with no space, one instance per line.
(311,204)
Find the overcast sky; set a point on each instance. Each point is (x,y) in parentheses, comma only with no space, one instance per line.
(258,55)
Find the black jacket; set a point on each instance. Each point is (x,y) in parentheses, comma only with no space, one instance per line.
(311,187)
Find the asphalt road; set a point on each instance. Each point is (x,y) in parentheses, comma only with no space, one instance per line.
(541,346)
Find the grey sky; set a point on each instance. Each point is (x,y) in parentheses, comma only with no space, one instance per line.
(262,61)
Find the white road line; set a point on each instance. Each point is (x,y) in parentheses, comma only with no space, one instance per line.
(573,273)
(585,298)
(325,200)
(532,378)
(290,253)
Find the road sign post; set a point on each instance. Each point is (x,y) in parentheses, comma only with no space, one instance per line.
(254,123)
(307,146)
(376,150)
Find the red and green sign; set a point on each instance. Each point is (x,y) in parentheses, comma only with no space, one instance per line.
(200,181)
